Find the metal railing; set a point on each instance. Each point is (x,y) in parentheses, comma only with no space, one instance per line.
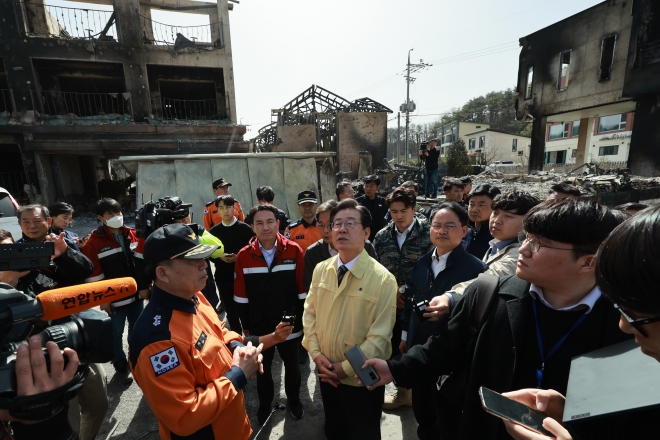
(14,182)
(54,103)
(7,101)
(59,21)
(163,34)
(188,109)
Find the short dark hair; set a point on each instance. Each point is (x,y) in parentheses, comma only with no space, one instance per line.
(341,187)
(226,200)
(58,208)
(265,193)
(455,208)
(446,186)
(33,207)
(515,201)
(632,206)
(484,190)
(365,215)
(466,180)
(404,195)
(410,184)
(373,178)
(107,205)
(580,222)
(4,235)
(628,263)
(266,207)
(565,188)
(326,207)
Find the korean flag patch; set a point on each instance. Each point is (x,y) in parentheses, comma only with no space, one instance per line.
(164,361)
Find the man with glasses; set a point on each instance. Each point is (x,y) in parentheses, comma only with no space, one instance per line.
(540,318)
(351,301)
(344,190)
(269,285)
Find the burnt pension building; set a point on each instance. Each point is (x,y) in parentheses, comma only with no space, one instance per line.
(595,77)
(85,84)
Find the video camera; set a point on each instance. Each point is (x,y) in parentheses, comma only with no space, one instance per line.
(89,333)
(424,146)
(154,214)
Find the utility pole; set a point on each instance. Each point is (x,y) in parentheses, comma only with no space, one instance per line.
(409,105)
(398,137)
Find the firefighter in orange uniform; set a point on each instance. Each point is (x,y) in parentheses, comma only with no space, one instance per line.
(190,368)
(304,231)
(211,215)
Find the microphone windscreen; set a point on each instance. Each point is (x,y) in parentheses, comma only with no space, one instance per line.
(59,303)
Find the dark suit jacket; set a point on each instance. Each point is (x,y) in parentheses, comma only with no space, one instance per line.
(319,252)
(493,365)
(420,285)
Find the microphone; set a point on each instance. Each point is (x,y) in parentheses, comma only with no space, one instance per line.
(60,303)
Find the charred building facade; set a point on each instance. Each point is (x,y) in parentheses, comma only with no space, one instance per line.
(319,120)
(81,86)
(594,77)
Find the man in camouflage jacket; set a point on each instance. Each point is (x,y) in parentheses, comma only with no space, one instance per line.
(399,245)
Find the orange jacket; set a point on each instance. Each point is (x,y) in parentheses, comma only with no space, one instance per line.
(212,218)
(181,357)
(303,233)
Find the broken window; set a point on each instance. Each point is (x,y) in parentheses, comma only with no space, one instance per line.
(610,150)
(530,80)
(6,101)
(612,123)
(472,143)
(558,131)
(514,145)
(564,69)
(575,129)
(574,153)
(606,57)
(482,141)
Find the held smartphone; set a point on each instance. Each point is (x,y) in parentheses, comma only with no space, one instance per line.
(512,411)
(356,358)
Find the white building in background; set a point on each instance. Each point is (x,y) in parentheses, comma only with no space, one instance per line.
(608,136)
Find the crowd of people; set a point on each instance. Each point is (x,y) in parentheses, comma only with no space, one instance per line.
(489,288)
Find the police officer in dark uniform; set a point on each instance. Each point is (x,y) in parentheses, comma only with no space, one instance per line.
(211,215)
(304,231)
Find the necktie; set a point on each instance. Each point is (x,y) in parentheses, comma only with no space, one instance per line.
(340,276)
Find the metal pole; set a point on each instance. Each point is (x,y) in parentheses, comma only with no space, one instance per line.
(398,137)
(407,104)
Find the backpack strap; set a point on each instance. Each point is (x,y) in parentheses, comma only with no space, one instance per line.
(487,287)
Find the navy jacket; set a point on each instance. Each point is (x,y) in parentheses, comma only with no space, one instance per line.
(420,285)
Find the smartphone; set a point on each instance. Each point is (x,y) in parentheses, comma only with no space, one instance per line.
(356,358)
(515,412)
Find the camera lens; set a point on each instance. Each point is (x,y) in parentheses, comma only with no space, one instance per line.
(372,375)
(64,335)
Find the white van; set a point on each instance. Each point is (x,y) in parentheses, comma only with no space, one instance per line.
(8,219)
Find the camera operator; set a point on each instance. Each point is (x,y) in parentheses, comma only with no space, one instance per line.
(431,157)
(33,377)
(69,266)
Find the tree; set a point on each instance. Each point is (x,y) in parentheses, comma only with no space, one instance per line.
(458,162)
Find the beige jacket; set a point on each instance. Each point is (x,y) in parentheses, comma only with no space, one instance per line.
(501,264)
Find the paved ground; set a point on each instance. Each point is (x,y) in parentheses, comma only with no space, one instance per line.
(130,418)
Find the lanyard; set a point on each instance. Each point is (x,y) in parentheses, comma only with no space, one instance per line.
(544,359)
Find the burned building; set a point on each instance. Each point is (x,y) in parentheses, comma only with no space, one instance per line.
(80,86)
(594,78)
(319,120)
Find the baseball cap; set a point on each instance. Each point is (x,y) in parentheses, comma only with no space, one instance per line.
(433,140)
(175,241)
(307,196)
(220,183)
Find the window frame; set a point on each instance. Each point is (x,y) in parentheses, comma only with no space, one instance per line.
(472,144)
(565,131)
(602,150)
(601,78)
(482,141)
(568,70)
(529,84)
(573,129)
(514,145)
(623,120)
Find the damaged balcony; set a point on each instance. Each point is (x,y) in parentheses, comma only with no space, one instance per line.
(43,20)
(90,106)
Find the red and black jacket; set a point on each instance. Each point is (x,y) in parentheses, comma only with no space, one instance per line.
(263,294)
(110,260)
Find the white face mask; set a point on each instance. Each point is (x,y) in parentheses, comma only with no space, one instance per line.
(115,222)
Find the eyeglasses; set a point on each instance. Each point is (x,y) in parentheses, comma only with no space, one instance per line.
(535,245)
(637,323)
(323,227)
(447,228)
(349,224)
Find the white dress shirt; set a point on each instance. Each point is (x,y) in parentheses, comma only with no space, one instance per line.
(589,300)
(348,265)
(332,251)
(401,236)
(438,263)
(268,254)
(231,224)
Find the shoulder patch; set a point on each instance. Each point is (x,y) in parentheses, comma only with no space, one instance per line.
(287,234)
(165,361)
(206,211)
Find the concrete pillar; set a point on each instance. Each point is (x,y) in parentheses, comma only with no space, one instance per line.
(228,64)
(45,176)
(582,146)
(537,149)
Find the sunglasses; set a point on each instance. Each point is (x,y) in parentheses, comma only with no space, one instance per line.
(637,323)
